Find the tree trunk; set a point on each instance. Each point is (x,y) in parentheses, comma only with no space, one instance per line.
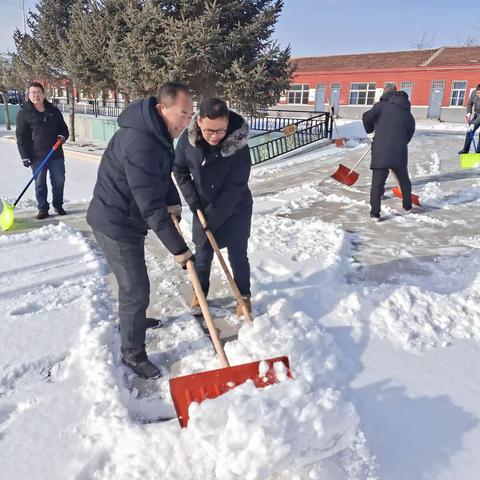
(72,113)
(6,111)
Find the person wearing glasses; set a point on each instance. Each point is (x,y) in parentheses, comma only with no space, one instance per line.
(39,125)
(212,168)
(134,193)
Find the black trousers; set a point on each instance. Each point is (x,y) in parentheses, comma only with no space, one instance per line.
(127,262)
(379,177)
(470,136)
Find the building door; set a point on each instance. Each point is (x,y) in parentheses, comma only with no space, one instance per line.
(320,98)
(335,97)
(407,87)
(435,107)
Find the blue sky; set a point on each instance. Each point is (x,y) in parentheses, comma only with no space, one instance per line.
(324,27)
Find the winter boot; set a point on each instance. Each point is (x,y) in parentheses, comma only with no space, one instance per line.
(195,309)
(42,214)
(248,304)
(60,211)
(152,323)
(141,365)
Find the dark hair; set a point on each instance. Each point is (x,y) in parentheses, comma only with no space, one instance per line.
(389,88)
(213,108)
(478,87)
(37,85)
(168,92)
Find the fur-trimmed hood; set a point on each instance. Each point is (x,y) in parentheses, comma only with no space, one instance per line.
(237,135)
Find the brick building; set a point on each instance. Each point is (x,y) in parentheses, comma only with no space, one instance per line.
(438,81)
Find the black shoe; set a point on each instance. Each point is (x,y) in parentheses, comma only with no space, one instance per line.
(152,323)
(42,214)
(141,365)
(60,211)
(376,217)
(462,151)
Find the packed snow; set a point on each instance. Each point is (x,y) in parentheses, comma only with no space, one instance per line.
(381,323)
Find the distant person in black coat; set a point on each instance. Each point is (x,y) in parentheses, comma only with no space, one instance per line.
(212,169)
(472,117)
(135,192)
(394,126)
(39,126)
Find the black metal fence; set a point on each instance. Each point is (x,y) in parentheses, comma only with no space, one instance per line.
(303,133)
(91,109)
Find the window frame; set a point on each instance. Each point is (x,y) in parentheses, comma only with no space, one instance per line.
(368,93)
(299,95)
(454,102)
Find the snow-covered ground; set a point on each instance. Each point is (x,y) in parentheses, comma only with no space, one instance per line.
(381,322)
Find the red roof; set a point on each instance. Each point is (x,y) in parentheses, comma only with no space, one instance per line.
(381,60)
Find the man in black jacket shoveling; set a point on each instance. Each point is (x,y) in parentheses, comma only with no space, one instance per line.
(394,127)
(39,125)
(135,192)
(212,168)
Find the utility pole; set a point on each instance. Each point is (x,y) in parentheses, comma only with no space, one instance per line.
(22,6)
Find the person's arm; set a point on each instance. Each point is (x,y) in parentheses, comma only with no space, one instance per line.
(370,117)
(182,175)
(149,180)
(24,138)
(411,128)
(235,185)
(470,104)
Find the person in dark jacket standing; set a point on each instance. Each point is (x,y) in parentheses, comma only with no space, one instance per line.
(472,117)
(212,168)
(135,192)
(39,125)
(394,126)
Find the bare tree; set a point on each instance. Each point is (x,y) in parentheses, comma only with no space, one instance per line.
(425,41)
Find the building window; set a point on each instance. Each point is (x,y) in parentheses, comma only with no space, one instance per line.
(407,87)
(458,94)
(362,93)
(298,93)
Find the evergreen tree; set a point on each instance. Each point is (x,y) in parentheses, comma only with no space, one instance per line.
(5,85)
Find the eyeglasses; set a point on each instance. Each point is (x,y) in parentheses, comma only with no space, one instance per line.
(218,131)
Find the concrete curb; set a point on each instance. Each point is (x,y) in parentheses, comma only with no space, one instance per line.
(70,151)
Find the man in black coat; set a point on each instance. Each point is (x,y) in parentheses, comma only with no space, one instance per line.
(212,168)
(473,119)
(39,126)
(135,192)
(394,127)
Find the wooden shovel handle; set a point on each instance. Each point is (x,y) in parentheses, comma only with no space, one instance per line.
(231,281)
(359,160)
(204,306)
(333,118)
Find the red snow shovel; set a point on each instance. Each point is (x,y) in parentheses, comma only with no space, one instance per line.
(348,176)
(398,192)
(198,387)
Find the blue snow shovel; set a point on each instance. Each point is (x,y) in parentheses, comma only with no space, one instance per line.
(470,160)
(6,213)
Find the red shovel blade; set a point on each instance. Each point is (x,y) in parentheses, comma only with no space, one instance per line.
(200,386)
(344,175)
(340,142)
(398,193)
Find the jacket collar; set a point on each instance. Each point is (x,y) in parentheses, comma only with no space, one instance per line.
(236,138)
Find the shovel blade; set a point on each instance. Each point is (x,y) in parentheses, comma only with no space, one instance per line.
(204,385)
(398,193)
(469,160)
(6,215)
(344,175)
(340,142)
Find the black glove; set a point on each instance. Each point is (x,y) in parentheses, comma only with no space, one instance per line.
(62,138)
(196,206)
(212,222)
(26,162)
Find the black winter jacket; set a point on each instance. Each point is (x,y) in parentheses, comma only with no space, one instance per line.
(134,183)
(37,131)
(473,105)
(217,177)
(394,127)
